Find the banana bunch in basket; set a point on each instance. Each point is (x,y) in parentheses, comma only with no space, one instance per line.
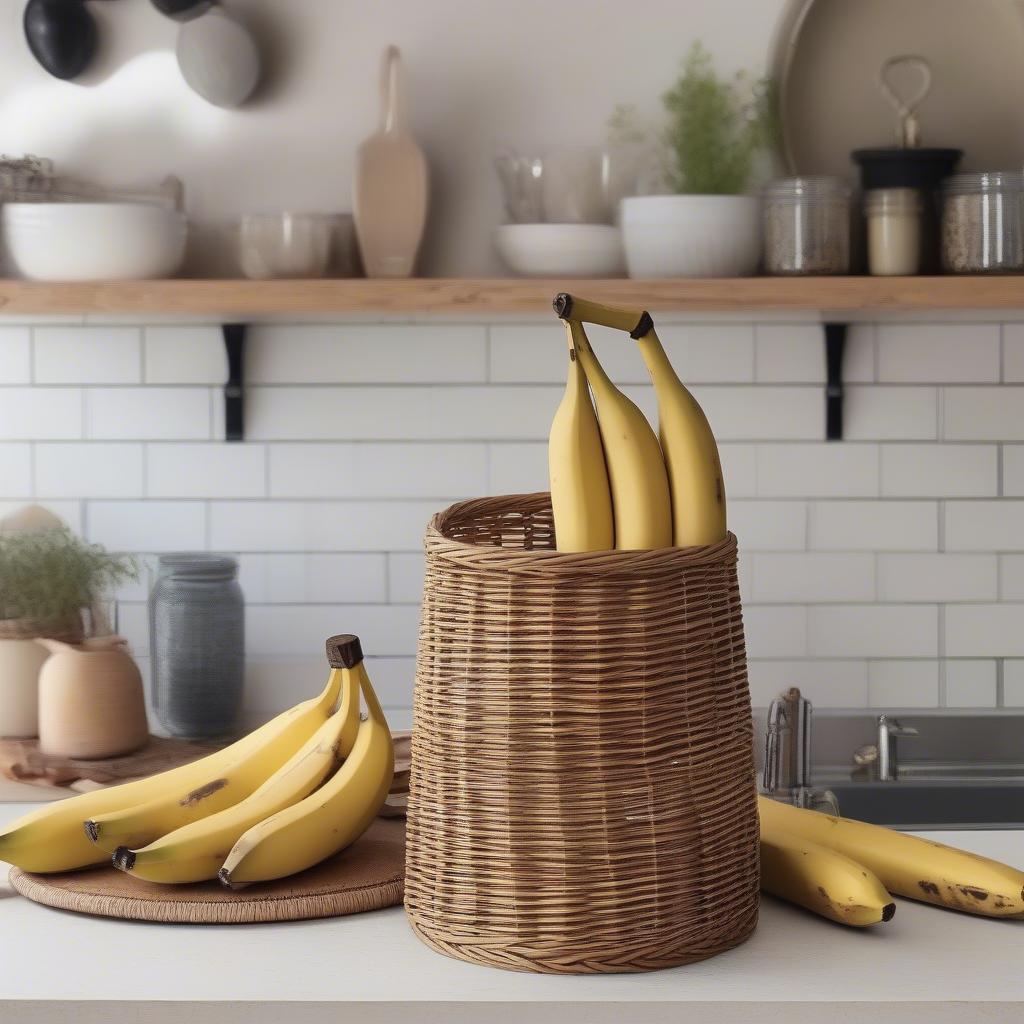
(281,799)
(613,483)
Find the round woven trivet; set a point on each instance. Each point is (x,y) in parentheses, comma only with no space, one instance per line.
(366,876)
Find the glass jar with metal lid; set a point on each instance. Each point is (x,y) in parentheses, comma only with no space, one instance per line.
(983,223)
(807,226)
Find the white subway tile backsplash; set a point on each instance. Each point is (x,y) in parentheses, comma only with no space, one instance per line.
(985,525)
(148,414)
(320,578)
(68,470)
(912,577)
(228,470)
(87,355)
(15,470)
(40,414)
(775,631)
(436,413)
(795,353)
(985,630)
(517,468)
(940,470)
(1013,684)
(369,353)
(795,577)
(970,683)
(903,684)
(133,625)
(739,470)
(1013,353)
(1011,574)
(148,526)
(15,355)
(827,684)
(817,470)
(984,414)
(1013,470)
(874,526)
(768,525)
(185,355)
(320,526)
(710,353)
(946,353)
(889,414)
(405,578)
(763,413)
(301,629)
(377,470)
(873,631)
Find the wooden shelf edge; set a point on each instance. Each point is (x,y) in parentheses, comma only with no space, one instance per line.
(241,299)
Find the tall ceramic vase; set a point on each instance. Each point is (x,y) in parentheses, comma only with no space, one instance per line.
(91,702)
(20,662)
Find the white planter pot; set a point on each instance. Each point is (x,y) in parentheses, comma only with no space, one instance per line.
(691,236)
(20,662)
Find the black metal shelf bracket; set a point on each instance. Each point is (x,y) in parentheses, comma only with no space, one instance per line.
(835,344)
(234,388)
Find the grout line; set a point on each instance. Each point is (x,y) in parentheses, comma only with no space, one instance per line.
(1000,682)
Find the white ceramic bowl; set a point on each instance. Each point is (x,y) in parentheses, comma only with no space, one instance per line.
(285,244)
(691,236)
(561,250)
(93,241)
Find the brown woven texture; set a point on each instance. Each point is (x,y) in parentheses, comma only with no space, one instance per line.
(582,787)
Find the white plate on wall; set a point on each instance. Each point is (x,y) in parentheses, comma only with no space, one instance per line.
(826,59)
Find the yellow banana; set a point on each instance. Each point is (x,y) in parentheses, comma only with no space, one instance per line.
(636,468)
(691,452)
(687,442)
(580,497)
(327,821)
(195,852)
(53,838)
(821,880)
(908,865)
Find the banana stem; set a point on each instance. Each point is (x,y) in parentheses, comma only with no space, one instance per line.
(571,307)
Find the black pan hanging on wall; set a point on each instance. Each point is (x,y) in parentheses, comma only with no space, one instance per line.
(61,35)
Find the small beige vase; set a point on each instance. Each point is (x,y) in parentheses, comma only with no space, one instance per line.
(91,703)
(20,662)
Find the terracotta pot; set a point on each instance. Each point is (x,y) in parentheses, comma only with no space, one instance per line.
(20,662)
(91,703)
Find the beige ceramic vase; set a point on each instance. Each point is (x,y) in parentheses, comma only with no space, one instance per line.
(20,662)
(91,703)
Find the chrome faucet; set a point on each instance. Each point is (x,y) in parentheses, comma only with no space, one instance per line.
(889,730)
(787,754)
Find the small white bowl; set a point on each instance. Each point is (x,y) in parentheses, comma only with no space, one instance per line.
(292,245)
(93,241)
(691,236)
(561,250)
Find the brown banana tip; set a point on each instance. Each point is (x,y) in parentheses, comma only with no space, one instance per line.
(563,305)
(344,650)
(888,911)
(123,859)
(225,879)
(643,327)
(92,830)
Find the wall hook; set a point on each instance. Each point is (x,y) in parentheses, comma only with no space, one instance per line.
(234,388)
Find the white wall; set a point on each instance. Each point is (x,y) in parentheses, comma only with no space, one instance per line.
(887,570)
(482,75)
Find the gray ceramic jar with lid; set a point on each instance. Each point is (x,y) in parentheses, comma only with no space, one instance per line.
(197,642)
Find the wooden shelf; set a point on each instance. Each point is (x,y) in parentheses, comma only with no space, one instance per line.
(242,299)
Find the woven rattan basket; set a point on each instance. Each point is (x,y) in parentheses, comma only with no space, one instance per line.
(582,789)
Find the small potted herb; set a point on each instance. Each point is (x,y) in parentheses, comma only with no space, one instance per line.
(717,130)
(48,578)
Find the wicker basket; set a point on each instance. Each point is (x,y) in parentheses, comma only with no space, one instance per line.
(582,792)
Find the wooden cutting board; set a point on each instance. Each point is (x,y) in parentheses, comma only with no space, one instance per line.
(369,875)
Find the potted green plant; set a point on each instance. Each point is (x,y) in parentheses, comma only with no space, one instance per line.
(48,577)
(717,129)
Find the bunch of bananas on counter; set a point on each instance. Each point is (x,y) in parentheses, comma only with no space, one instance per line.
(845,870)
(287,796)
(614,484)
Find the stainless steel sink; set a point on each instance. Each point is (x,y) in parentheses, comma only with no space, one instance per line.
(932,803)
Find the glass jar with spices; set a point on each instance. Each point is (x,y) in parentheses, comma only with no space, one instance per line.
(983,223)
(894,231)
(807,226)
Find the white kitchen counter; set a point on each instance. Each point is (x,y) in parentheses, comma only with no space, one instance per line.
(926,965)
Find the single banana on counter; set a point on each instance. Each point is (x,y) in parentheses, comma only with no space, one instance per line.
(687,441)
(580,495)
(334,816)
(195,852)
(822,880)
(53,838)
(641,505)
(907,865)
